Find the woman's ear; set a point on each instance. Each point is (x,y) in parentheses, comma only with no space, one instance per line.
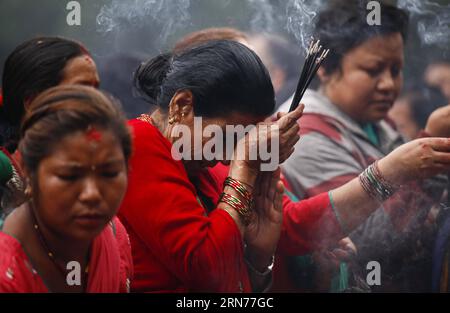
(27,179)
(324,77)
(181,106)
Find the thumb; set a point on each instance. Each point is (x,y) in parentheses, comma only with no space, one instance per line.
(287,120)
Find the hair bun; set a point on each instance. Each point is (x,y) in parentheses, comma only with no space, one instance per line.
(149,77)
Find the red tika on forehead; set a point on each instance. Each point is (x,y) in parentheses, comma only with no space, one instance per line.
(93,135)
(89,59)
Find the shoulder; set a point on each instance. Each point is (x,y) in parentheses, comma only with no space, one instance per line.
(16,272)
(141,127)
(148,143)
(318,123)
(120,233)
(126,260)
(144,130)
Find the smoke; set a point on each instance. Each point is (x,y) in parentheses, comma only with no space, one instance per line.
(119,15)
(263,16)
(432,20)
(300,16)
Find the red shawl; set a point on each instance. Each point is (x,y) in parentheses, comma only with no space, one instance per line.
(176,245)
(110,266)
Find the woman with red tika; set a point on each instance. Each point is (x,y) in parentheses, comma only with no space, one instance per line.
(65,237)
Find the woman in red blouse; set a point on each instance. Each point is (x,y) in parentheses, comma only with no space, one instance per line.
(65,238)
(179,242)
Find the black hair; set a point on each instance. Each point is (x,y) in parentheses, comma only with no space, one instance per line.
(31,68)
(343,26)
(223,76)
(64,110)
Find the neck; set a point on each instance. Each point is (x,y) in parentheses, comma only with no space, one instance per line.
(64,248)
(160,120)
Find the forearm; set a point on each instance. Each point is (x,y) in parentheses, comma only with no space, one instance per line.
(353,204)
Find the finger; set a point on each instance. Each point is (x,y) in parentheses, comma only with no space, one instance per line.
(281,114)
(333,260)
(266,183)
(441,157)
(342,255)
(275,178)
(273,189)
(438,144)
(257,188)
(292,141)
(290,132)
(286,155)
(288,140)
(297,113)
(289,119)
(278,203)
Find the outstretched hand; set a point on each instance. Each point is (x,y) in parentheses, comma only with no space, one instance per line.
(417,159)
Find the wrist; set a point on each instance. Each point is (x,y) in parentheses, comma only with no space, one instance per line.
(239,197)
(376,184)
(240,171)
(390,175)
(259,262)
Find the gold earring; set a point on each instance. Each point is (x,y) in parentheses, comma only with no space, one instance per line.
(171,120)
(28,192)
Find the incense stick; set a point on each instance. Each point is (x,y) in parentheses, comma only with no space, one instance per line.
(314,58)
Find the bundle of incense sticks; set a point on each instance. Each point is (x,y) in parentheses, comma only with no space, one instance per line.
(314,58)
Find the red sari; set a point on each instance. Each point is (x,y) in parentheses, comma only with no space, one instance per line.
(177,246)
(308,225)
(110,266)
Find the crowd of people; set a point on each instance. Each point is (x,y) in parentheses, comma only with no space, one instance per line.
(362,175)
